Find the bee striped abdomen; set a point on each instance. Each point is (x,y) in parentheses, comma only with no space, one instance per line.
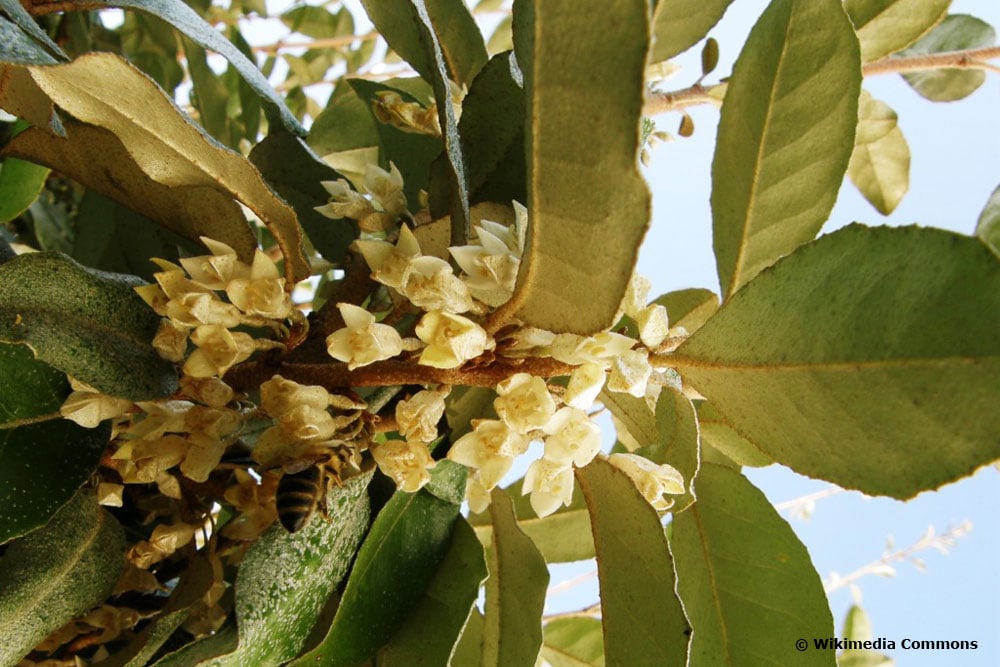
(297,497)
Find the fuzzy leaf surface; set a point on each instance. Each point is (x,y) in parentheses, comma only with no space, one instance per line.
(955,33)
(57,572)
(105,90)
(644,623)
(868,358)
(880,164)
(887,26)
(89,324)
(680,24)
(747,583)
(285,579)
(988,226)
(573,642)
(785,135)
(515,591)
(395,565)
(588,205)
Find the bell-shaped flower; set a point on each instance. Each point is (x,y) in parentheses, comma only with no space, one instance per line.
(477,495)
(279,396)
(430,284)
(524,403)
(572,438)
(88,407)
(490,448)
(387,188)
(654,326)
(262,292)
(550,485)
(219,349)
(451,339)
(215,271)
(585,383)
(212,391)
(417,417)
(171,340)
(490,276)
(345,201)
(630,373)
(388,262)
(652,480)
(406,463)
(600,348)
(363,341)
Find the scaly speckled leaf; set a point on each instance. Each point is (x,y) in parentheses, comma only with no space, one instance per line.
(886,26)
(680,24)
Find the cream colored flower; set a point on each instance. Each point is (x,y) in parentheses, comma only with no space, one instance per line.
(215,271)
(490,448)
(630,373)
(654,326)
(653,481)
(550,485)
(451,339)
(387,188)
(88,407)
(345,201)
(524,403)
(171,340)
(600,348)
(388,261)
(585,383)
(491,267)
(159,417)
(477,495)
(189,303)
(417,417)
(573,438)
(430,284)
(219,349)
(110,495)
(406,463)
(363,341)
(279,396)
(262,292)
(210,391)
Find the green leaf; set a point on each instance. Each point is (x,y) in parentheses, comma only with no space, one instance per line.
(515,591)
(469,649)
(573,642)
(20,183)
(295,172)
(785,135)
(285,579)
(988,227)
(680,24)
(868,358)
(461,43)
(858,628)
(41,465)
(89,324)
(880,164)
(105,90)
(644,623)
(588,205)
(193,26)
(57,572)
(746,581)
(393,570)
(209,95)
(562,537)
(955,33)
(719,439)
(886,26)
(201,652)
(429,634)
(318,22)
(492,133)
(689,308)
(26,38)
(346,123)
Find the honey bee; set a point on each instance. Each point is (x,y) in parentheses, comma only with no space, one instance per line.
(304,486)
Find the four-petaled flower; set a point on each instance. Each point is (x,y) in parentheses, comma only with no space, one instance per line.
(363,341)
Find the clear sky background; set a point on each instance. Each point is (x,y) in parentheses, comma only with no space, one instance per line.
(955,165)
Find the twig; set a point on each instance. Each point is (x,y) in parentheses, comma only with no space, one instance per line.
(803,506)
(592,610)
(27,421)
(882,566)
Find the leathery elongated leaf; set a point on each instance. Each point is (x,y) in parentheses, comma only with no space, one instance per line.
(285,579)
(89,324)
(880,164)
(644,623)
(886,26)
(57,572)
(954,33)
(785,135)
(575,641)
(680,24)
(988,226)
(97,159)
(868,358)
(588,206)
(430,633)
(515,591)
(394,566)
(182,17)
(746,581)
(105,90)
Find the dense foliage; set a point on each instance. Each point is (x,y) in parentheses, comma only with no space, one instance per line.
(258,352)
